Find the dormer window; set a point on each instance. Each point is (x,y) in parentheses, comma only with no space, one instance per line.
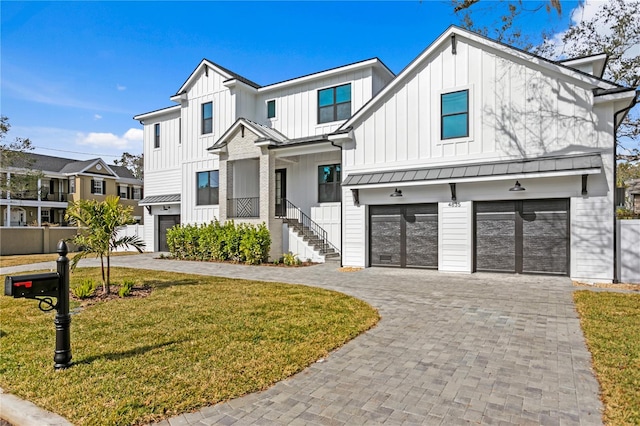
(334,103)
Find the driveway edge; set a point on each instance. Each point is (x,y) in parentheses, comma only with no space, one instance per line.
(19,412)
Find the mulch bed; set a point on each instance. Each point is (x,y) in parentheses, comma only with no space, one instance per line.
(100,296)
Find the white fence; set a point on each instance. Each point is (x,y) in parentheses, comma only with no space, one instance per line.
(130,231)
(629,250)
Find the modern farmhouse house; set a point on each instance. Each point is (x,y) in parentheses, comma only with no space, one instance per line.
(476,157)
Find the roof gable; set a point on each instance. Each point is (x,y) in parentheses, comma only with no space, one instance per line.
(207,66)
(265,134)
(449,39)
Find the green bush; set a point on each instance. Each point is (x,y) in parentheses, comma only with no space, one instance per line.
(84,289)
(623,213)
(291,259)
(214,241)
(126,287)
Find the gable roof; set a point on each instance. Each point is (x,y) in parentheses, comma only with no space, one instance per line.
(510,50)
(68,166)
(205,63)
(263,132)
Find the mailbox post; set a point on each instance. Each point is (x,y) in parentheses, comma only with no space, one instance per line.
(62,320)
(43,287)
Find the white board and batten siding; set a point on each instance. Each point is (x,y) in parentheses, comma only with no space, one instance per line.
(513,111)
(629,251)
(167,155)
(191,213)
(297,105)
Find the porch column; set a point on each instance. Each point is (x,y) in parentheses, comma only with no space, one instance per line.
(39,213)
(8,218)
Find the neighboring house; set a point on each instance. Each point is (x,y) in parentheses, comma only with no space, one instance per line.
(476,157)
(633,195)
(64,180)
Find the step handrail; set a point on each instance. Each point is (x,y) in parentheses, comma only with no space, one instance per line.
(309,228)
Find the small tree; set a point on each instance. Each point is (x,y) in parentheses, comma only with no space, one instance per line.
(99,222)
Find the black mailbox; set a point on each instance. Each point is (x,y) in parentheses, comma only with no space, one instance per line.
(32,286)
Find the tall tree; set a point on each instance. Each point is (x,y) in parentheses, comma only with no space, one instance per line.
(98,224)
(135,163)
(613,29)
(14,154)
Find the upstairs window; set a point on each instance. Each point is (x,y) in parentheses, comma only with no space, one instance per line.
(137,193)
(207,188)
(72,185)
(455,115)
(207,118)
(334,103)
(156,143)
(329,184)
(123,192)
(271,108)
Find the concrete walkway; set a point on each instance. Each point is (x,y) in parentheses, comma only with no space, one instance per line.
(450,349)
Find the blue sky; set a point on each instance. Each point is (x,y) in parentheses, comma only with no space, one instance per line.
(73,74)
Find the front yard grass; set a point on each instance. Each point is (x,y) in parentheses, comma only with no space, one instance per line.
(28,259)
(194,341)
(611,324)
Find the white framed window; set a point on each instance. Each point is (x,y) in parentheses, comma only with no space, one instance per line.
(329,178)
(334,103)
(97,187)
(123,191)
(72,185)
(137,193)
(271,108)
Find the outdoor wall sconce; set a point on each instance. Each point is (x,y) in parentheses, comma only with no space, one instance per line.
(356,197)
(396,193)
(165,208)
(584,185)
(517,187)
(454,200)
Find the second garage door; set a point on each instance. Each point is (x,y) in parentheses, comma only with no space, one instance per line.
(404,236)
(529,236)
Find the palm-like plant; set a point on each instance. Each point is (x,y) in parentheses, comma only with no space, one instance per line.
(98,223)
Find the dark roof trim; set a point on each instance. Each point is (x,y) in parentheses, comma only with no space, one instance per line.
(547,165)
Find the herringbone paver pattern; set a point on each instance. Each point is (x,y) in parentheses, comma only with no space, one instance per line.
(450,349)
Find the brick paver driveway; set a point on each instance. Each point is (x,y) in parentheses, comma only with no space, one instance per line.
(449,349)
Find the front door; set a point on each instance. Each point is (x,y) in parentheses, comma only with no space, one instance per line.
(281,191)
(164,224)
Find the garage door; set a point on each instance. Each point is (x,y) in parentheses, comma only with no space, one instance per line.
(404,236)
(529,236)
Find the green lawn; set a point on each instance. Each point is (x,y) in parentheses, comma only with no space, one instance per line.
(27,259)
(611,324)
(193,342)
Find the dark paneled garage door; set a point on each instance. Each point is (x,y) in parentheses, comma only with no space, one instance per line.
(404,236)
(529,236)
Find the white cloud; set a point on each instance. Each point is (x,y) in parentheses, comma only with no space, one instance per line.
(110,140)
(97,116)
(121,88)
(586,11)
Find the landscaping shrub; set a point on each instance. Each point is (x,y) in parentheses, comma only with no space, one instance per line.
(84,288)
(215,241)
(126,287)
(291,259)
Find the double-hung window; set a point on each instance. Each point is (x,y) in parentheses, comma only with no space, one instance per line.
(455,115)
(98,187)
(207,188)
(329,184)
(334,103)
(156,143)
(207,118)
(137,193)
(271,108)
(72,185)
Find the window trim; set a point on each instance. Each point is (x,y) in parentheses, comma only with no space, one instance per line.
(338,183)
(469,136)
(205,120)
(208,180)
(335,104)
(156,135)
(72,185)
(103,187)
(275,111)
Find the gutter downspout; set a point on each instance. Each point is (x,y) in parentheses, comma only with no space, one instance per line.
(341,209)
(624,110)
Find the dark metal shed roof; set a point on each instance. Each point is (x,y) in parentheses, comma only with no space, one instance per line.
(470,171)
(160,199)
